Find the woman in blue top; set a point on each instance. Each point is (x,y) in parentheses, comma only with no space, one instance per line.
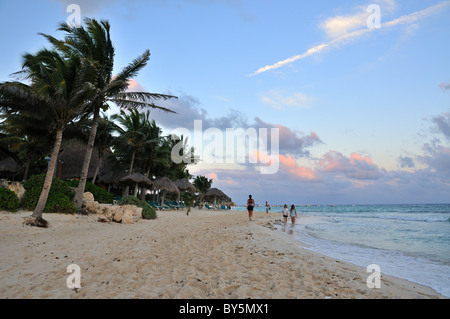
(293,214)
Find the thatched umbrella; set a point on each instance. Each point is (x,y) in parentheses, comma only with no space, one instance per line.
(184,185)
(70,161)
(137,179)
(164,184)
(108,178)
(216,193)
(9,167)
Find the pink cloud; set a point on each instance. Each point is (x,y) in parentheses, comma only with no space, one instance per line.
(356,166)
(135,86)
(212,176)
(289,164)
(354,158)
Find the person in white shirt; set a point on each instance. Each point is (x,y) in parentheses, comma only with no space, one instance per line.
(285,213)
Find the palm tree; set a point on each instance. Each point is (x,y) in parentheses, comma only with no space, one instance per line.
(59,87)
(30,142)
(177,169)
(94,43)
(134,135)
(154,153)
(202,184)
(103,140)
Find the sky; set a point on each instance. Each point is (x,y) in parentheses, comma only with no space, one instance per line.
(359,90)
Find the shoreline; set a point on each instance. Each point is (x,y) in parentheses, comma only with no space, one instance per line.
(206,255)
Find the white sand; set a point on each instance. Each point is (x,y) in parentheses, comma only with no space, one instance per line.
(204,255)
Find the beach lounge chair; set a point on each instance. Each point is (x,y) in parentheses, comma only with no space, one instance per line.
(171,206)
(210,208)
(150,202)
(176,204)
(162,206)
(157,206)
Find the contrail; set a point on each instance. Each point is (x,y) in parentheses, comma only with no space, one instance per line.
(406,19)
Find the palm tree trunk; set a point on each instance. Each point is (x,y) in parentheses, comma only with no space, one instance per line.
(144,190)
(27,169)
(78,198)
(127,188)
(39,209)
(100,159)
(136,188)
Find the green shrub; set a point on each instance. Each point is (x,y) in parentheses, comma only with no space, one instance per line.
(100,195)
(59,199)
(148,212)
(8,200)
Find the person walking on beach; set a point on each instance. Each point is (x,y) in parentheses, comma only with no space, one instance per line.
(267,208)
(285,214)
(250,205)
(293,214)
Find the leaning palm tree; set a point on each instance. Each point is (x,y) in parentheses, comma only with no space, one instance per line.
(59,87)
(94,42)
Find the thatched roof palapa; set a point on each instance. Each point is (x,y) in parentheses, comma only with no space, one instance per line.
(137,178)
(165,184)
(185,185)
(216,193)
(110,178)
(9,167)
(72,157)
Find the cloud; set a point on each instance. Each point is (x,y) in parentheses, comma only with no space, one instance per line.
(442,122)
(291,141)
(278,100)
(336,27)
(343,30)
(188,109)
(314,50)
(354,167)
(445,86)
(135,86)
(289,164)
(406,162)
(437,158)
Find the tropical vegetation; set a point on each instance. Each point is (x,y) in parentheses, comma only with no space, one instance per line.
(64,93)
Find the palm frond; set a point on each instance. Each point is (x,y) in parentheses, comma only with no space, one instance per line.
(134,67)
(131,104)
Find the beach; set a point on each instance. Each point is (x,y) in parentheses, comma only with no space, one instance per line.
(206,255)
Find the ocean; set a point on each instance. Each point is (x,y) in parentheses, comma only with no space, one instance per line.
(407,241)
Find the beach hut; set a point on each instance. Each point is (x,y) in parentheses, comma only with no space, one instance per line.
(165,185)
(136,180)
(9,168)
(184,185)
(70,161)
(216,194)
(107,180)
